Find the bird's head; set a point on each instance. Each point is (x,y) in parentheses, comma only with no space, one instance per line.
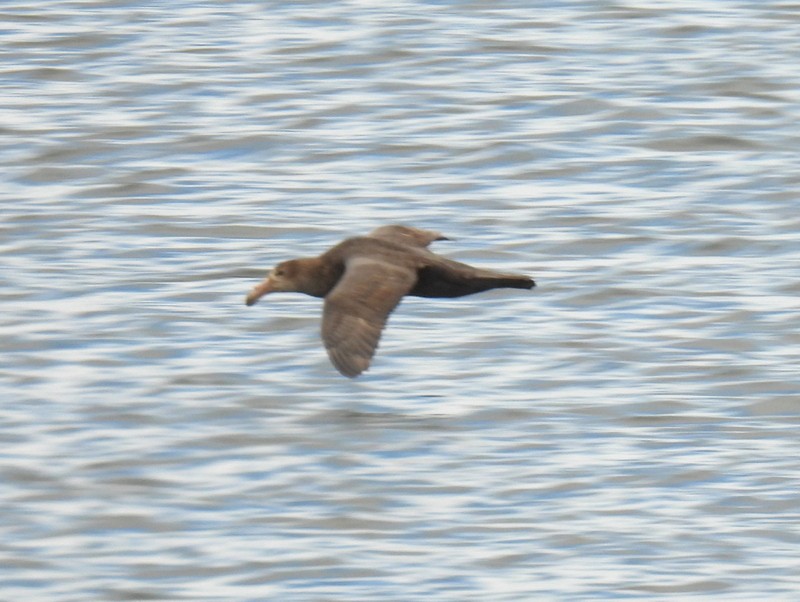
(293,276)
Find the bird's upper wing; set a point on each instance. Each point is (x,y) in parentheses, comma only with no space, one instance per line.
(405,235)
(357,309)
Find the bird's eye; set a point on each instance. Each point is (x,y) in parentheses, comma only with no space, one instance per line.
(278,272)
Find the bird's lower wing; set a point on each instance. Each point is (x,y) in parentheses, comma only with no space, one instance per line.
(357,309)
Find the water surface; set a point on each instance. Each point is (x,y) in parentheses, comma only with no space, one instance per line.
(628,430)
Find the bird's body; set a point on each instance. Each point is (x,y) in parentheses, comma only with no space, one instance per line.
(364,278)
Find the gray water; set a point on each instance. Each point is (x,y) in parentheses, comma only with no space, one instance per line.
(627,430)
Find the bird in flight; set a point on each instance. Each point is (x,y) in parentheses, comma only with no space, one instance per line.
(363,278)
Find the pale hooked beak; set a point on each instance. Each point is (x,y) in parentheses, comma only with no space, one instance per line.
(258,292)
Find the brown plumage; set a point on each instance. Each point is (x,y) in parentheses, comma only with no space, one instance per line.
(364,278)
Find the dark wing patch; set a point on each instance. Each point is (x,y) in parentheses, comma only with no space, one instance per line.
(357,309)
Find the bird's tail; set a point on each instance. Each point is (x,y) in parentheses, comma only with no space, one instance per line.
(486,280)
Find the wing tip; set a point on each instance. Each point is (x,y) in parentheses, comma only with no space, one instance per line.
(349,365)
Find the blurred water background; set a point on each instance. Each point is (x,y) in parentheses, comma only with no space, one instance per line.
(628,430)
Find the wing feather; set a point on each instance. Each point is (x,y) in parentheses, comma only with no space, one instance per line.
(356,311)
(407,236)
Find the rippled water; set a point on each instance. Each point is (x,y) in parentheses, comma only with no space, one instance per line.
(628,430)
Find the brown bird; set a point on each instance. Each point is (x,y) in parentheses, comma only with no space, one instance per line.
(364,278)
